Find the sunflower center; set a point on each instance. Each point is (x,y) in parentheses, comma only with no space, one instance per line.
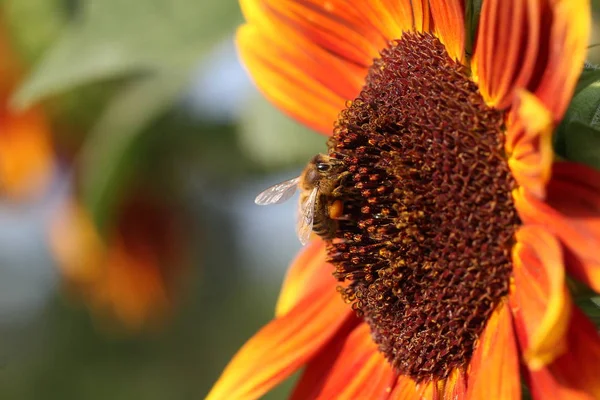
(426,247)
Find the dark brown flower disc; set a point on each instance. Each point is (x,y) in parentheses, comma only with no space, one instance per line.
(426,247)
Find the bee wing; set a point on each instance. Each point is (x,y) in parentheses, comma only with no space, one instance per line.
(306,217)
(277,193)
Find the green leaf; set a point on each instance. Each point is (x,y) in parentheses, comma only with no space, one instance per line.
(589,75)
(583,113)
(472,11)
(111,38)
(591,308)
(34,24)
(111,153)
(582,144)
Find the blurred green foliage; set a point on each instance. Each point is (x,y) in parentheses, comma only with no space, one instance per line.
(112,75)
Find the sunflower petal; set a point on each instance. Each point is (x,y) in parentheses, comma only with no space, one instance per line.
(572,213)
(302,79)
(567,49)
(405,389)
(529,143)
(316,372)
(574,374)
(26,150)
(421,15)
(507,48)
(282,346)
(76,245)
(350,369)
(449,25)
(494,368)
(541,294)
(26,155)
(308,271)
(335,26)
(456,386)
(430,390)
(393,17)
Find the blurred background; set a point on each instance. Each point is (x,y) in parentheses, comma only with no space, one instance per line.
(133,261)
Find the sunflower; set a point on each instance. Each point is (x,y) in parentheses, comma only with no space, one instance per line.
(129,273)
(26,150)
(461,227)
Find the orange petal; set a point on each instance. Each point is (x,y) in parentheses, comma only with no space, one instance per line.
(449,22)
(393,17)
(506,49)
(301,78)
(494,368)
(431,390)
(336,26)
(574,374)
(529,143)
(452,388)
(282,346)
(541,294)
(26,151)
(422,15)
(133,287)
(567,47)
(352,368)
(75,243)
(572,213)
(309,270)
(26,154)
(456,386)
(353,31)
(405,389)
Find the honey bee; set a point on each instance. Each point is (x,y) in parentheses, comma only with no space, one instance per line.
(319,206)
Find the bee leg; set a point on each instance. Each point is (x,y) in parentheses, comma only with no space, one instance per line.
(337,192)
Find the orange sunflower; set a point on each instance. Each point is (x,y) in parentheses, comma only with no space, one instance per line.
(26,150)
(461,226)
(129,275)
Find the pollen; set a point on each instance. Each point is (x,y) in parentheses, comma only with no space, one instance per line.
(424,247)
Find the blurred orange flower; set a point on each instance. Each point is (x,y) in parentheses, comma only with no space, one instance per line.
(461,226)
(26,152)
(129,274)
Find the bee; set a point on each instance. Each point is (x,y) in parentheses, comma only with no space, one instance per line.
(319,206)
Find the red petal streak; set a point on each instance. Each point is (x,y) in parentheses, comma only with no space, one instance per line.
(449,20)
(529,143)
(507,48)
(494,368)
(299,77)
(573,375)
(572,213)
(308,271)
(541,294)
(349,369)
(282,346)
(422,15)
(567,50)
